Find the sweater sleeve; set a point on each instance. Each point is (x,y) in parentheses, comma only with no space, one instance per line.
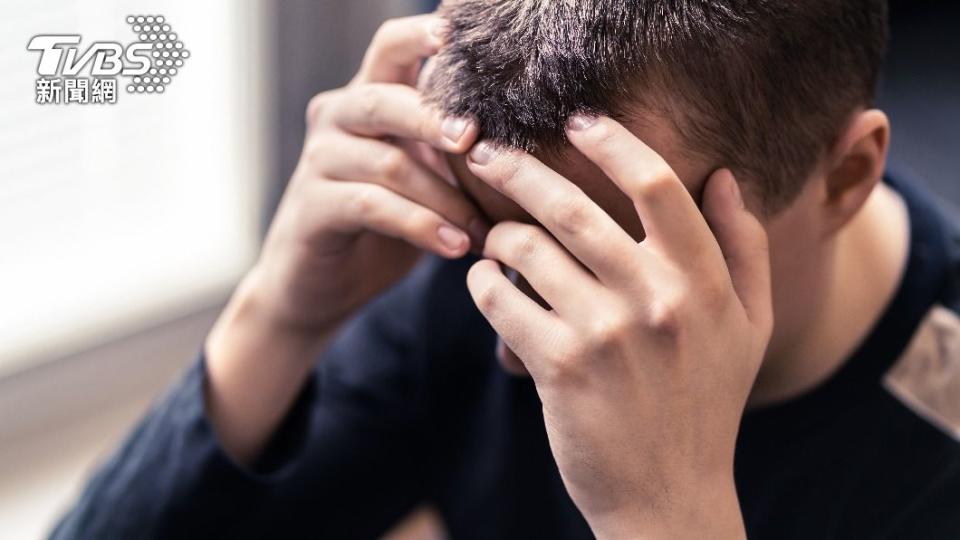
(347,461)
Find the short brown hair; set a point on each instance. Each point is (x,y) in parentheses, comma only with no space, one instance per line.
(760,86)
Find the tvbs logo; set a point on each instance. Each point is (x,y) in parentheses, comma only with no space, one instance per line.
(149,64)
(107,57)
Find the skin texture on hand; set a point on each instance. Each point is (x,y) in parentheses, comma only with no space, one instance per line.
(646,357)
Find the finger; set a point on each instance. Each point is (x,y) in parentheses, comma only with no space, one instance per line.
(361,206)
(671,219)
(378,110)
(562,207)
(743,241)
(342,157)
(554,274)
(399,47)
(528,329)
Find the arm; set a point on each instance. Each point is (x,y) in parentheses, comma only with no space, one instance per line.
(348,459)
(364,203)
(350,223)
(255,369)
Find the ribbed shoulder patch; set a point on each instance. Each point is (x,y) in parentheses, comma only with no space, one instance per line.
(926,378)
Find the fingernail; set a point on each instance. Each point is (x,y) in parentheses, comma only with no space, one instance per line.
(451,238)
(453,128)
(735,190)
(479,229)
(580,121)
(482,153)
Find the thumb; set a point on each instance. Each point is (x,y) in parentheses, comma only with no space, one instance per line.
(743,241)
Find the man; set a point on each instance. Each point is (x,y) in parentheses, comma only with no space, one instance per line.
(719,318)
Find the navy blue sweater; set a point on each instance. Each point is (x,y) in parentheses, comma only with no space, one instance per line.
(409,406)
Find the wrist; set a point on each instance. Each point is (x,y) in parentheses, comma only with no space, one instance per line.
(710,510)
(256,367)
(251,318)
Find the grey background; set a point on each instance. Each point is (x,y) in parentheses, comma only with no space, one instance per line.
(921,92)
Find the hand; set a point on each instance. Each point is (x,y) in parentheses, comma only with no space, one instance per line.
(645,361)
(368,194)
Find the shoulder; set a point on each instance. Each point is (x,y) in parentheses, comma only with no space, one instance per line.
(925,381)
(926,377)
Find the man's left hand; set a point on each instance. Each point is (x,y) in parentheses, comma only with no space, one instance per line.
(647,357)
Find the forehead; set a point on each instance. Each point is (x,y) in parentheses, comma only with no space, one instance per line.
(571,164)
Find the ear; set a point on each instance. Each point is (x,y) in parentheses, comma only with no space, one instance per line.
(855,165)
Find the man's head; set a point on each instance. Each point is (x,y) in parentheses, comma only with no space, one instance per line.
(778,91)
(763,87)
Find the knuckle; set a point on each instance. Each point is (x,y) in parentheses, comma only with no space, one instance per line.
(421,220)
(503,173)
(393,165)
(316,106)
(525,242)
(314,153)
(664,317)
(502,180)
(571,214)
(607,332)
(369,102)
(363,202)
(656,185)
(488,299)
(568,367)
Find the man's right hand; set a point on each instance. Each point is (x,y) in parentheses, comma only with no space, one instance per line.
(368,196)
(363,202)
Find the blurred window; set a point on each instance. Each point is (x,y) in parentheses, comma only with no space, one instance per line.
(116,217)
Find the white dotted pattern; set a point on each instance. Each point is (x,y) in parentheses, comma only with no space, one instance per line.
(166,52)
